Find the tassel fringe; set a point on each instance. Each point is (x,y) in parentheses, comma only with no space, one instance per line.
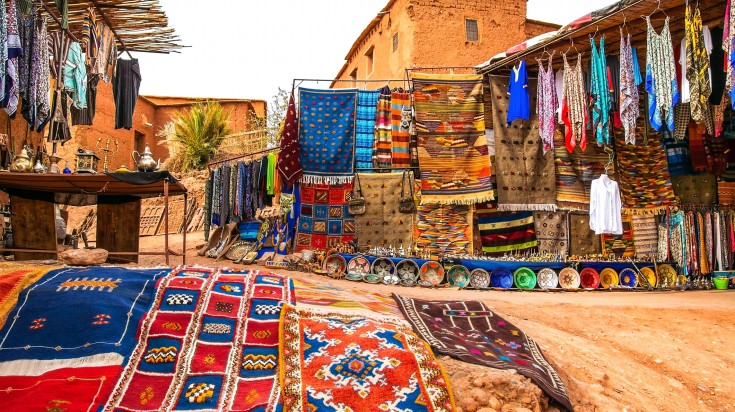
(645,212)
(522,208)
(326,180)
(36,367)
(456,199)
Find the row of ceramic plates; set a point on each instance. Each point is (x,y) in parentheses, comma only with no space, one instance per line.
(431,273)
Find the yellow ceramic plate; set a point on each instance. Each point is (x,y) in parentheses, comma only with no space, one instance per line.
(650,276)
(608,277)
(667,274)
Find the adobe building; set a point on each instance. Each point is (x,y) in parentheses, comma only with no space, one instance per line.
(435,33)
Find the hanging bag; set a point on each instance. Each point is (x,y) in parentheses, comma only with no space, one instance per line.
(356,204)
(406,204)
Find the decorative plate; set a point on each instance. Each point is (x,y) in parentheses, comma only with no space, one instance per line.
(569,278)
(408,271)
(382,267)
(608,277)
(479,278)
(501,278)
(431,274)
(357,268)
(589,278)
(458,276)
(524,278)
(650,276)
(628,278)
(547,278)
(335,265)
(667,274)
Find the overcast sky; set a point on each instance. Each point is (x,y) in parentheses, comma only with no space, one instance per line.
(247,48)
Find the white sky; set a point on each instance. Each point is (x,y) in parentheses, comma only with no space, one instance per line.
(248,48)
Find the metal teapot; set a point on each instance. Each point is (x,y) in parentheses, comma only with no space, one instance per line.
(22,162)
(145,161)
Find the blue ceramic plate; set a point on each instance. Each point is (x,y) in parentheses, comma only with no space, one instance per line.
(627,278)
(501,278)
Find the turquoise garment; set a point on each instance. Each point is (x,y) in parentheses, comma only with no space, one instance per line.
(75,75)
(637,68)
(600,93)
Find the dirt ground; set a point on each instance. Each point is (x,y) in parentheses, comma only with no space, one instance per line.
(615,351)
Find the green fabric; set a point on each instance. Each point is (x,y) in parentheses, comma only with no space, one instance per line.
(63,6)
(270,177)
(25,6)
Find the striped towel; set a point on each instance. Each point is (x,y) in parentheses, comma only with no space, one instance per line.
(400,122)
(367,101)
(383,142)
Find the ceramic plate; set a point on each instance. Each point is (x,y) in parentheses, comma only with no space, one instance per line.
(650,276)
(335,265)
(381,268)
(589,278)
(479,278)
(547,278)
(408,272)
(431,274)
(357,268)
(667,274)
(458,276)
(524,278)
(501,278)
(569,278)
(608,277)
(628,278)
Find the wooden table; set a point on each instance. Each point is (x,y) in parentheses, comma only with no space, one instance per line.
(118,199)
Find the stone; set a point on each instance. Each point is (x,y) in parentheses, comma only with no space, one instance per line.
(486,410)
(84,257)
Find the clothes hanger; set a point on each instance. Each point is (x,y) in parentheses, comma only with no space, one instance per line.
(658,8)
(610,157)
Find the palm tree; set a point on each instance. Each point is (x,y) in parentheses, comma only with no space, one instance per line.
(197,134)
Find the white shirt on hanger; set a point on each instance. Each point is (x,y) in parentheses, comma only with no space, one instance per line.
(559,83)
(684,89)
(605,206)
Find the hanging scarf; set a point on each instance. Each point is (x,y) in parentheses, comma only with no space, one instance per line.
(628,90)
(697,73)
(599,93)
(3,50)
(247,183)
(383,148)
(574,106)
(663,240)
(289,162)
(216,197)
(15,50)
(663,92)
(270,178)
(208,205)
(546,103)
(678,241)
(704,267)
(709,241)
(239,188)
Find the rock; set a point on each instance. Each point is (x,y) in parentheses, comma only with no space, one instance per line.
(702,387)
(658,361)
(84,257)
(468,404)
(523,410)
(478,394)
(486,410)
(493,402)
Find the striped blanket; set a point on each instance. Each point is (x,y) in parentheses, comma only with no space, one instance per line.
(367,101)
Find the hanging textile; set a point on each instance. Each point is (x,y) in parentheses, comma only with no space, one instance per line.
(620,245)
(519,105)
(27,32)
(575,172)
(678,241)
(208,206)
(677,154)
(645,235)
(453,151)
(382,224)
(546,104)
(90,38)
(107,57)
(327,135)
(664,243)
(63,7)
(444,229)
(697,71)
(400,121)
(600,93)
(682,116)
(582,240)
(15,52)
(324,221)
(289,162)
(525,177)
(367,101)
(551,232)
(663,93)
(85,116)
(697,150)
(695,189)
(271,174)
(574,106)
(3,50)
(717,67)
(629,102)
(505,232)
(75,75)
(216,198)
(725,192)
(125,85)
(382,143)
(605,206)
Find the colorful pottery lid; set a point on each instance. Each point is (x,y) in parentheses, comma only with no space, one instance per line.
(667,274)
(547,278)
(650,278)
(479,278)
(524,278)
(589,278)
(608,277)
(431,273)
(569,278)
(458,276)
(382,267)
(628,278)
(357,268)
(501,278)
(408,272)
(335,265)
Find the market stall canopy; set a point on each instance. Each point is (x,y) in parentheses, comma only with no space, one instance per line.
(574,37)
(138,25)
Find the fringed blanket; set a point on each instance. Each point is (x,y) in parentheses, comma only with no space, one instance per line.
(327,135)
(209,342)
(289,160)
(643,174)
(471,332)
(324,220)
(317,293)
(582,240)
(333,360)
(400,120)
(444,229)
(575,172)
(453,152)
(620,245)
(645,235)
(551,232)
(525,176)
(13,279)
(383,143)
(367,101)
(695,189)
(726,193)
(505,232)
(382,223)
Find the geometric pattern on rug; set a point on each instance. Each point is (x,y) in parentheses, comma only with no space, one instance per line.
(325,220)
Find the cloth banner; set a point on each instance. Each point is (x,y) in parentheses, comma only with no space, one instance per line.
(582,240)
(620,245)
(340,360)
(471,332)
(695,189)
(444,229)
(324,220)
(382,223)
(210,342)
(367,101)
(400,120)
(525,175)
(505,232)
(289,161)
(453,151)
(327,135)
(645,235)
(551,232)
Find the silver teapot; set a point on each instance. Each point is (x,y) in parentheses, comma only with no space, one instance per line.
(145,161)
